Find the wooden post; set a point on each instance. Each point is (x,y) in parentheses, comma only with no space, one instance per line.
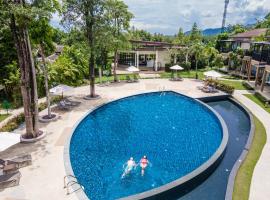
(263,80)
(257,75)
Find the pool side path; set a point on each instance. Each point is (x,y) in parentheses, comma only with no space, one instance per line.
(260,183)
(44,178)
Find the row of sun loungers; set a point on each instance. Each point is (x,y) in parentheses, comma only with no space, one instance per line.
(67,104)
(207,88)
(9,170)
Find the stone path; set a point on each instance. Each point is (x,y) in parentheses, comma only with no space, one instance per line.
(260,185)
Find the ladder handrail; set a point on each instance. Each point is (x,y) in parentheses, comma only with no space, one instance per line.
(72,182)
(65,178)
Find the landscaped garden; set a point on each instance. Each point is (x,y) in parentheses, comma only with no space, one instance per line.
(108,130)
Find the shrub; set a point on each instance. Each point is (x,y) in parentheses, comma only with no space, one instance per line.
(167,67)
(13,123)
(221,86)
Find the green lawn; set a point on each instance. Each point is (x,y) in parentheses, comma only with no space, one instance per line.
(258,101)
(244,175)
(238,85)
(185,74)
(3,117)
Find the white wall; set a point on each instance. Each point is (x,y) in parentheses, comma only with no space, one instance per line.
(163,57)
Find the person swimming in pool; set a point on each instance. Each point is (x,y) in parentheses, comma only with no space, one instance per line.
(130,165)
(143,164)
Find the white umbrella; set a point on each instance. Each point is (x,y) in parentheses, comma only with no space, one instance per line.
(213,74)
(176,68)
(8,139)
(60,89)
(132,69)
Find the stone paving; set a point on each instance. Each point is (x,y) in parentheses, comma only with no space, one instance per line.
(260,185)
(43,180)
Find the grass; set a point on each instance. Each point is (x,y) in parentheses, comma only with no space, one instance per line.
(238,85)
(244,175)
(185,74)
(3,117)
(258,101)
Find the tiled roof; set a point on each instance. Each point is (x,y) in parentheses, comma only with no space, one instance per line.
(251,34)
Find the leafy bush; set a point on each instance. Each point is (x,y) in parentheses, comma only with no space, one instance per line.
(43,106)
(167,67)
(221,86)
(13,123)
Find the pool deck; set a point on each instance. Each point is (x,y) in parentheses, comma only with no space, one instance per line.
(44,178)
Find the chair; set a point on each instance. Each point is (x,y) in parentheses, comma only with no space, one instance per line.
(10,180)
(63,106)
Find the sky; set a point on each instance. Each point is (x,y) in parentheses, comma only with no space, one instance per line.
(167,16)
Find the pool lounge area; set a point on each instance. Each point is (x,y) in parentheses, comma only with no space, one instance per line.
(213,181)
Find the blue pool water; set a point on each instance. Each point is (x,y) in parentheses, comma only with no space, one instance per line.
(238,123)
(176,133)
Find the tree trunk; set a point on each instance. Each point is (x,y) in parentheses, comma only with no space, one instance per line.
(187,61)
(90,36)
(28,77)
(115,66)
(45,71)
(196,69)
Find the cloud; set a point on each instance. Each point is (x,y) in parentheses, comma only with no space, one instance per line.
(166,16)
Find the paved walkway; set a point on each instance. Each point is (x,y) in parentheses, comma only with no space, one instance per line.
(43,180)
(260,185)
(15,112)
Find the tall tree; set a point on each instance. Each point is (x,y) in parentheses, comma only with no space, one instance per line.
(88,15)
(197,51)
(195,34)
(18,14)
(118,16)
(42,35)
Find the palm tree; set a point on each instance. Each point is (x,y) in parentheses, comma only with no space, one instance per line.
(210,54)
(197,51)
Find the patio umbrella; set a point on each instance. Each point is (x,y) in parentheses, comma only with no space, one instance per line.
(213,74)
(176,68)
(132,69)
(8,139)
(60,89)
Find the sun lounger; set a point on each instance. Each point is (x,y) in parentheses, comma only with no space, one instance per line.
(23,160)
(209,89)
(8,166)
(72,103)
(63,106)
(10,180)
(11,165)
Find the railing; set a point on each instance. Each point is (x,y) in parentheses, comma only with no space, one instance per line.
(68,184)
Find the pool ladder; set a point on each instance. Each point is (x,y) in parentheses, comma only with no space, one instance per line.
(162,90)
(69,183)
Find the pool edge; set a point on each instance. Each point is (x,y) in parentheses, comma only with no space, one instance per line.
(204,170)
(243,155)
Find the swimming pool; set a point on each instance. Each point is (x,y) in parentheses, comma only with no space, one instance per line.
(178,134)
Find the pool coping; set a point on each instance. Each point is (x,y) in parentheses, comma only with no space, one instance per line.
(181,182)
(243,155)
